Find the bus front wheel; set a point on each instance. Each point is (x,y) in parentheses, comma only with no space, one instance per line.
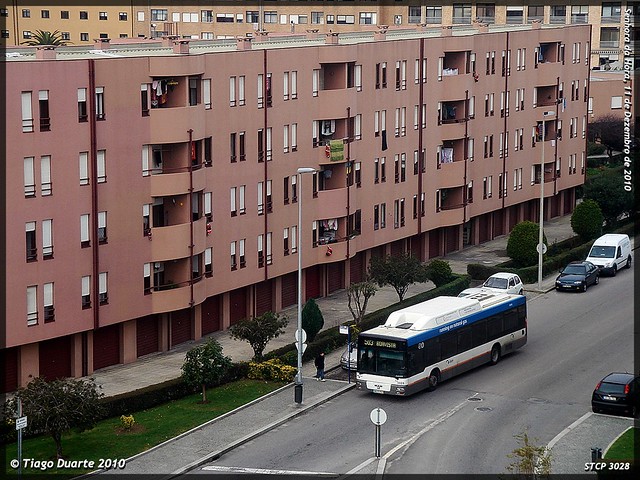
(434,380)
(495,354)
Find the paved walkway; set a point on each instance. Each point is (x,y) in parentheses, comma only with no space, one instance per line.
(571,448)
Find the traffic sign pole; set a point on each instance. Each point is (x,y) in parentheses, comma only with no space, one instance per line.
(19,439)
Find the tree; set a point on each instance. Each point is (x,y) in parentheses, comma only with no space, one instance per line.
(608,191)
(41,37)
(398,271)
(258,331)
(205,365)
(586,219)
(58,406)
(521,246)
(439,272)
(359,295)
(312,319)
(607,130)
(531,460)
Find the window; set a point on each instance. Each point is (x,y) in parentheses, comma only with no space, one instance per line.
(433,15)
(32,305)
(64,14)
(461,13)
(29,177)
(317,18)
(26,34)
(270,17)
(45,175)
(486,12)
(84,230)
(49,311)
(261,90)
(83,161)
(144,99)
(367,18)
(27,114)
(47,239)
(515,14)
(285,139)
(269,254)
(100,103)
(102,227)
(82,105)
(26,13)
(122,16)
(232,91)
(558,14)
(84,15)
(233,193)
(609,37)
(30,242)
(616,102)
(84,37)
(159,15)
(86,292)
(611,12)
(260,198)
(345,19)
(579,13)
(232,147)
(206,92)
(535,12)
(44,13)
(285,236)
(101,166)
(4,33)
(103,296)
(294,137)
(102,16)
(193,91)
(243,262)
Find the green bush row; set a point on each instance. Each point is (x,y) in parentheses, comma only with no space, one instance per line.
(272,369)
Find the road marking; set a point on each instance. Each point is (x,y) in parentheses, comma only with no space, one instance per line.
(219,468)
(557,438)
(359,467)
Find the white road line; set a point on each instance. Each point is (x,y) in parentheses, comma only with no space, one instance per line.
(219,468)
(557,438)
(355,470)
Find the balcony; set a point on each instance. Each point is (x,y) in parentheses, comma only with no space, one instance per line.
(169,184)
(557,19)
(328,253)
(610,19)
(173,297)
(332,203)
(170,242)
(546,96)
(332,103)
(171,125)
(332,151)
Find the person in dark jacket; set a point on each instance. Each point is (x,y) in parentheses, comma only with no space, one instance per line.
(319,363)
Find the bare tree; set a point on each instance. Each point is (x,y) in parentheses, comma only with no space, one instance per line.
(359,295)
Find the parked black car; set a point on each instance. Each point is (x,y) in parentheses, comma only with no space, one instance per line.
(578,276)
(618,392)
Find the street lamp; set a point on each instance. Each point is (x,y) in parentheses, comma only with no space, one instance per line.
(299,339)
(540,232)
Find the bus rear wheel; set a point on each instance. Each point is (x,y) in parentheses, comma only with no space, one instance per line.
(495,354)
(434,380)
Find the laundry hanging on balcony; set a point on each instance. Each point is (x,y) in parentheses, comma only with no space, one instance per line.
(446,155)
(337,150)
(158,92)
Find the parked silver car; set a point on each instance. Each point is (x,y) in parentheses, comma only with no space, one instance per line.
(349,358)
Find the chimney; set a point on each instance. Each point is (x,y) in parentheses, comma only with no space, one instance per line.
(422,27)
(102,43)
(536,24)
(447,31)
(482,27)
(331,38)
(312,34)
(46,52)
(167,41)
(181,46)
(243,43)
(261,35)
(381,33)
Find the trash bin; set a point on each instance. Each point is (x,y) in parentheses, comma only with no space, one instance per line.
(596,454)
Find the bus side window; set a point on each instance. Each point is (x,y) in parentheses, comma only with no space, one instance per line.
(479,333)
(449,345)
(464,339)
(510,321)
(494,327)
(522,316)
(432,348)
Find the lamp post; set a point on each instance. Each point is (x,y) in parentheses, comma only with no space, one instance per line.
(540,229)
(299,339)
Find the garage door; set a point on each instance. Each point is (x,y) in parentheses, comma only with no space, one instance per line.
(264,297)
(484,228)
(312,282)
(238,300)
(180,327)
(9,360)
(211,315)
(335,276)
(434,243)
(397,248)
(498,223)
(55,358)
(289,289)
(356,268)
(147,335)
(416,246)
(106,346)
(451,241)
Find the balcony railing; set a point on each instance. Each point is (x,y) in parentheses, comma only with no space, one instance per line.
(462,20)
(557,19)
(610,19)
(580,18)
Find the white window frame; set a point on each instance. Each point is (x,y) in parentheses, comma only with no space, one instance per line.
(27,112)
(32,305)
(29,177)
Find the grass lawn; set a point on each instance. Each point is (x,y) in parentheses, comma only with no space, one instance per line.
(153,426)
(623,449)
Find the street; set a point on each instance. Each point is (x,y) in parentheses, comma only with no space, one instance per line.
(468,424)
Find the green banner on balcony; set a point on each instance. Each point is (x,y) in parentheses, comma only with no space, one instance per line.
(337,150)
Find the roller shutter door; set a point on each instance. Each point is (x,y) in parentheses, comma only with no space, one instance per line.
(356,268)
(568,201)
(147,338)
(264,297)
(498,223)
(211,315)
(312,282)
(335,274)
(416,247)
(289,289)
(484,228)
(9,360)
(106,346)
(513,217)
(238,300)
(180,327)
(451,242)
(55,358)
(397,248)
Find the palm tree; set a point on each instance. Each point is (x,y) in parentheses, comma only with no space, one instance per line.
(41,37)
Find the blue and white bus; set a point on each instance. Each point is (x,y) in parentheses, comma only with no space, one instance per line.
(422,345)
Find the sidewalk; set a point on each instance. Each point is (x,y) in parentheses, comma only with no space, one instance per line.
(209,441)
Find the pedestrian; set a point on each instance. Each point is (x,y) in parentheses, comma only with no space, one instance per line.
(319,363)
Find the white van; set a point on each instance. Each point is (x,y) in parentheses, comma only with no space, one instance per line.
(611,252)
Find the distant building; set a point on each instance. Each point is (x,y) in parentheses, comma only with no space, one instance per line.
(151,188)
(226,19)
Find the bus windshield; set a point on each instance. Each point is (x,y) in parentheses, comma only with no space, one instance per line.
(381,361)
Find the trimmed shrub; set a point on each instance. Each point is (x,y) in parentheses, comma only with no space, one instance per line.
(586,220)
(272,369)
(312,319)
(521,246)
(439,272)
(127,421)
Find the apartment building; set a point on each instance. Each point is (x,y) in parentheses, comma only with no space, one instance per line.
(228,19)
(152,191)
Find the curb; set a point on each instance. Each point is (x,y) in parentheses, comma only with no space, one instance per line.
(215,455)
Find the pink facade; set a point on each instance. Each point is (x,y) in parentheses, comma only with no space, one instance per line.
(191,154)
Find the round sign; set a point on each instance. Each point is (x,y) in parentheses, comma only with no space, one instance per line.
(544,248)
(304,335)
(378,416)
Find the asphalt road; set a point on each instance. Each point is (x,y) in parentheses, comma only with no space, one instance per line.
(468,425)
